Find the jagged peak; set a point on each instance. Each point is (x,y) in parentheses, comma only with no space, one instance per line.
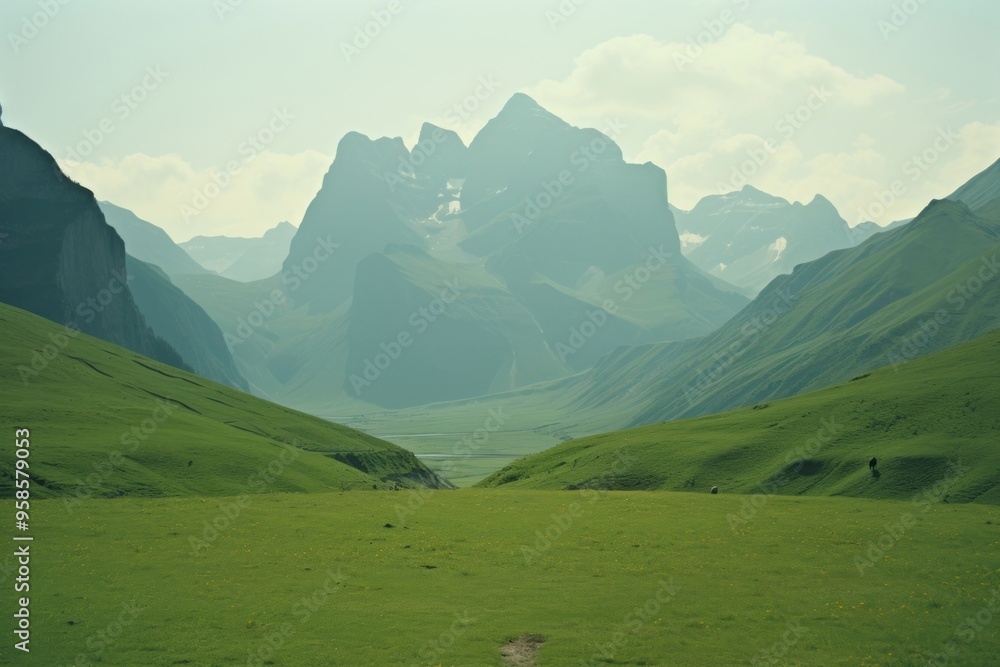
(522,107)
(437,134)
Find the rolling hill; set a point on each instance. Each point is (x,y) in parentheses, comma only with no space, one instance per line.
(934,419)
(106,422)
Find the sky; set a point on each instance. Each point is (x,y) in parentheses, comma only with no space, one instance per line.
(211,117)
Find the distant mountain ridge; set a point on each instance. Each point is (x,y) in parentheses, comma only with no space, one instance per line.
(149,243)
(241,258)
(750,237)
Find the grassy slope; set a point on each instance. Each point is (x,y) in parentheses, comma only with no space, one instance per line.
(82,407)
(915,419)
(852,309)
(462,553)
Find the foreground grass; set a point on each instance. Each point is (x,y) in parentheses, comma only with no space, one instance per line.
(625,578)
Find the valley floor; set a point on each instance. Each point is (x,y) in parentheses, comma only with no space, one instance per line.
(449,577)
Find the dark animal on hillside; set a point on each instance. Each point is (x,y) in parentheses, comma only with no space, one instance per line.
(873,464)
(715,490)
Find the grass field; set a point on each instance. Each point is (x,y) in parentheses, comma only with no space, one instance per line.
(610,578)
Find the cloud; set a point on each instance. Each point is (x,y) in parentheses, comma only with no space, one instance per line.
(641,76)
(759,108)
(187,201)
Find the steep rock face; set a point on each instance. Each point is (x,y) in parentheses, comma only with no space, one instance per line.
(442,156)
(59,258)
(182,323)
(521,149)
(363,205)
(422,331)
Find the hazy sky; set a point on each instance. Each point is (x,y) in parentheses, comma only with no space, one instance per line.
(797,97)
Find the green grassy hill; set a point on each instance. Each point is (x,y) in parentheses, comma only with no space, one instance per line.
(920,420)
(105,421)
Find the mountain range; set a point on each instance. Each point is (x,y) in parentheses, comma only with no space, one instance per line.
(749,237)
(242,259)
(533,267)
(561,252)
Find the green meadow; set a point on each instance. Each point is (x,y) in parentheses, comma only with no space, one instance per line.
(593,578)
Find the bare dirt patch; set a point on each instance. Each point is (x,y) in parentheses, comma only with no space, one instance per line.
(523,651)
